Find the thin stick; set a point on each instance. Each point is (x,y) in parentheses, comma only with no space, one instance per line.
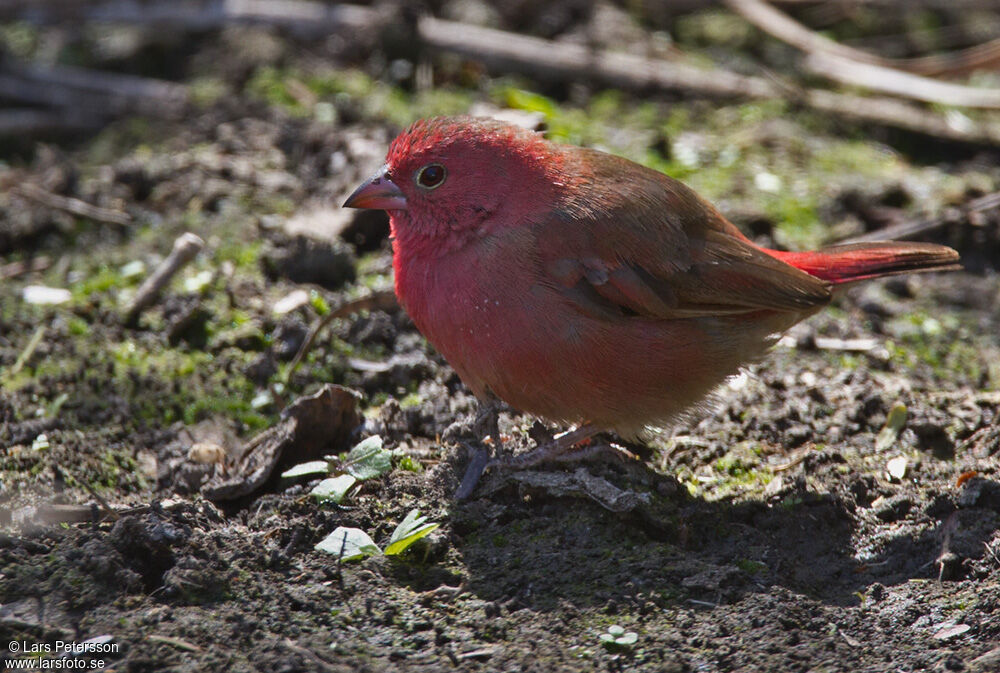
(90,489)
(28,121)
(185,248)
(385,301)
(904,84)
(855,67)
(73,206)
(914,228)
(21,267)
(786,29)
(545,58)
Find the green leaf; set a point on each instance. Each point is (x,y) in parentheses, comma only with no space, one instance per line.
(894,423)
(410,529)
(313,467)
(368,459)
(617,638)
(333,488)
(348,544)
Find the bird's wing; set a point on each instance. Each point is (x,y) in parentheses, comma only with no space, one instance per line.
(636,242)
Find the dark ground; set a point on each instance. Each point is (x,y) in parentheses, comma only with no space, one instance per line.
(772,531)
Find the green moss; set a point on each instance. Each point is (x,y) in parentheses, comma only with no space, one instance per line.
(271,84)
(376,99)
(411,401)
(245,255)
(206,91)
(751,567)
(122,137)
(20,39)
(99,281)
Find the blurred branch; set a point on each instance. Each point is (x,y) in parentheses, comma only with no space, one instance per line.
(541,57)
(910,229)
(904,84)
(31,121)
(495,48)
(855,67)
(979,57)
(90,93)
(314,17)
(954,5)
(72,206)
(787,29)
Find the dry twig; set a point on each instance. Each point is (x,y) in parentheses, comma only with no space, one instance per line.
(21,267)
(185,248)
(855,67)
(534,56)
(571,61)
(73,206)
(903,84)
(915,228)
(384,301)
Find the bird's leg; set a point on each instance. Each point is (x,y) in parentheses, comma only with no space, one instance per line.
(560,448)
(488,422)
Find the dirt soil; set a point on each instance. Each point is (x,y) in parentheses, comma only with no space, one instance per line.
(834,508)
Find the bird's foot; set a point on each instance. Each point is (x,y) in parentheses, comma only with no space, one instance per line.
(569,446)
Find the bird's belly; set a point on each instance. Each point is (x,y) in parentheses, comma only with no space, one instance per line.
(533,350)
(508,334)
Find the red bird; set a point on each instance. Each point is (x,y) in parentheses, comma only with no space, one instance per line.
(584,288)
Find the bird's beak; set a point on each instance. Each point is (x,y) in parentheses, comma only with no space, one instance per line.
(378,192)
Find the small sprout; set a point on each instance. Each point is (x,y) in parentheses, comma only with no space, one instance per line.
(410,529)
(348,544)
(311,468)
(41,443)
(319,303)
(333,489)
(894,423)
(407,463)
(367,460)
(751,566)
(617,638)
(353,543)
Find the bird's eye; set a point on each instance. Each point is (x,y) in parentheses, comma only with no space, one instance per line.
(431,176)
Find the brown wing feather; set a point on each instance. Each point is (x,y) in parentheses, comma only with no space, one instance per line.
(632,241)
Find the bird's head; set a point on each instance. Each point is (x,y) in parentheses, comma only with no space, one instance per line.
(447,179)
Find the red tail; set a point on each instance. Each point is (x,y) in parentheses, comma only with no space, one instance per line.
(858,261)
